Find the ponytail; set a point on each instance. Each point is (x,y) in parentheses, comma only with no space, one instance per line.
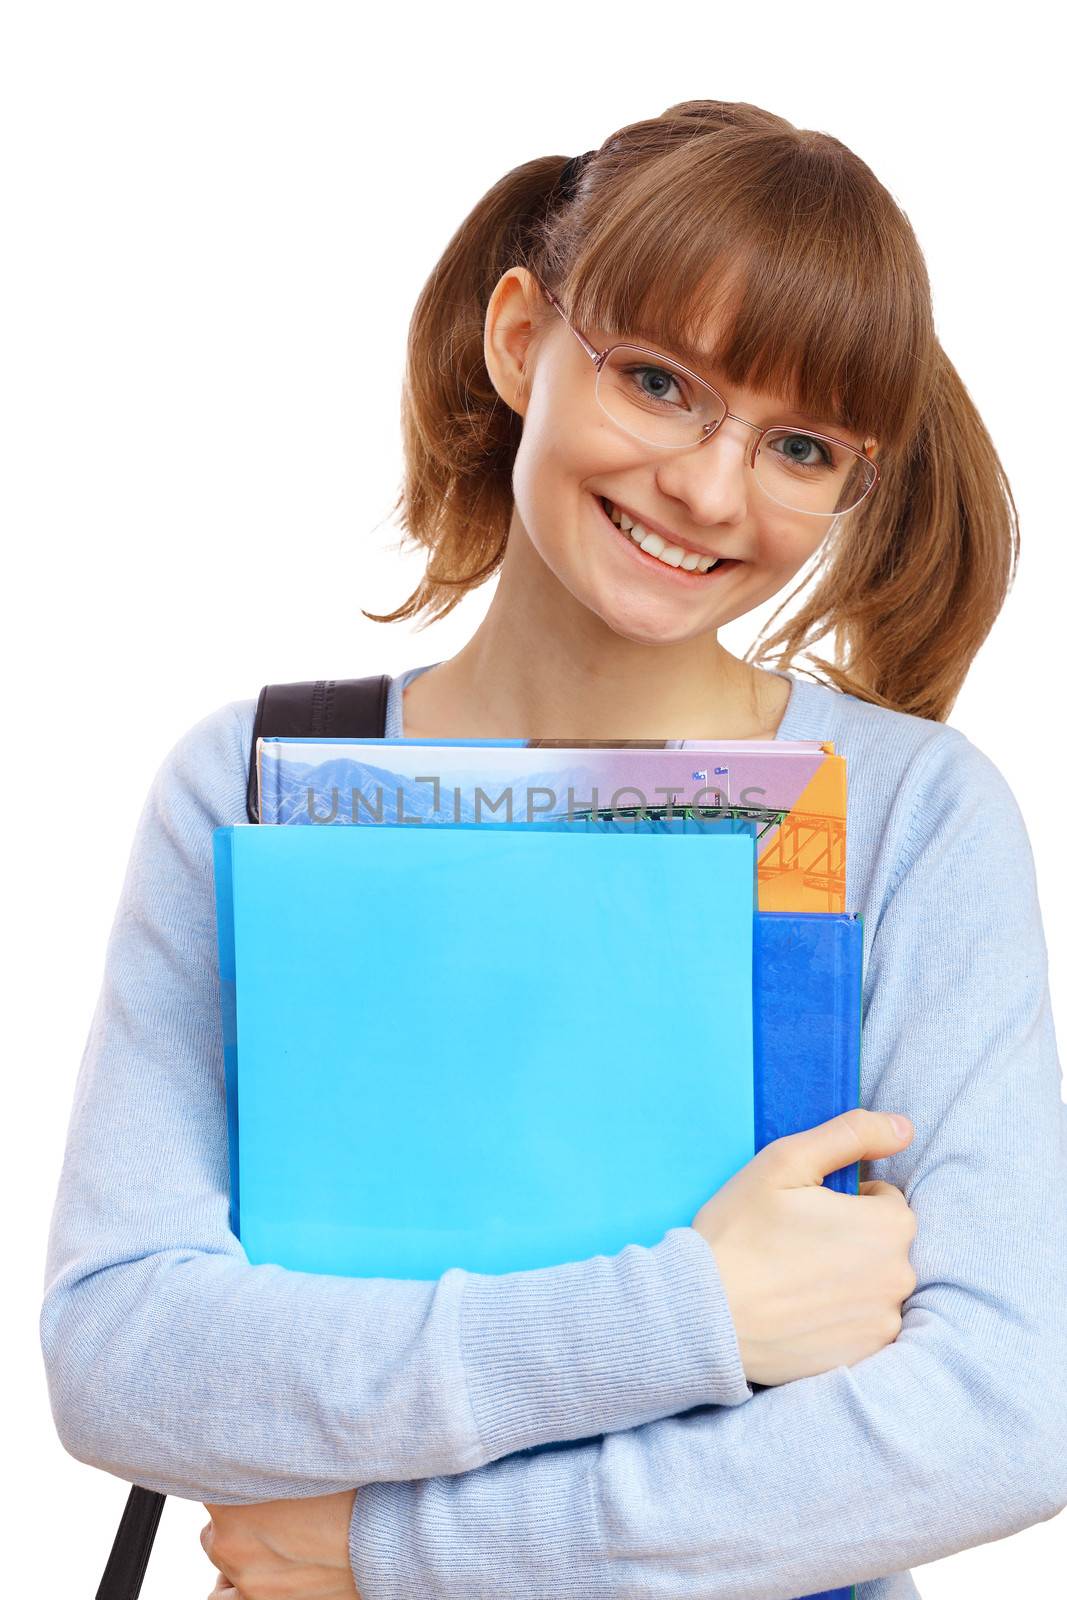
(912,585)
(459,438)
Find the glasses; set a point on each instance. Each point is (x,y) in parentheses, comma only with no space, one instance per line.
(671,407)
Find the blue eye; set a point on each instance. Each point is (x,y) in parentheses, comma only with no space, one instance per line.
(655,383)
(791,458)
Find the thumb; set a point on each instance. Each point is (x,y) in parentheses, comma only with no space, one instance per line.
(804,1158)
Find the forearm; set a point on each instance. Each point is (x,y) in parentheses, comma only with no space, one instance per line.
(198,1375)
(854,1474)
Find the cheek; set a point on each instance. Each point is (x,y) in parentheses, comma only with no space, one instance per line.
(534,490)
(547,480)
(566,443)
(784,550)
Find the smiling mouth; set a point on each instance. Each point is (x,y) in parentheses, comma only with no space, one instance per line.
(661,550)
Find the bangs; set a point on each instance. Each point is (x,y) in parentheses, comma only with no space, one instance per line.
(783,274)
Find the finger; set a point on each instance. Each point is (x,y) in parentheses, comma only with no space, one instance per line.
(803,1159)
(878,1186)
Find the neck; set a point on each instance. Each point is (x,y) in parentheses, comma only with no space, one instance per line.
(543,665)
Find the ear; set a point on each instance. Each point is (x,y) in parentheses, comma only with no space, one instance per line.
(513,316)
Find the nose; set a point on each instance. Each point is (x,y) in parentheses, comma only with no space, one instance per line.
(713,479)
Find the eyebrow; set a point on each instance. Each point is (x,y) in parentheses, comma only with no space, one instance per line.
(698,361)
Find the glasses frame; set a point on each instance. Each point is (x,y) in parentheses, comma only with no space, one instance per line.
(598,357)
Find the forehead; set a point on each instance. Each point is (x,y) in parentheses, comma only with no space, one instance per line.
(700,358)
(698,350)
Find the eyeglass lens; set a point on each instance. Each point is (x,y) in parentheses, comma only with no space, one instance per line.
(656,402)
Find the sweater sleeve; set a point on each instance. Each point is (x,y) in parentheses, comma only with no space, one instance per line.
(174,1363)
(951,1436)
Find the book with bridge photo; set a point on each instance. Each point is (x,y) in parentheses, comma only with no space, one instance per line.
(792,791)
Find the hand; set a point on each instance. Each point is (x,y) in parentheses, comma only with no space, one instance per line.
(814,1279)
(282,1549)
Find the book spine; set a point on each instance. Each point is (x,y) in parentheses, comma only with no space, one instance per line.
(848,991)
(222,843)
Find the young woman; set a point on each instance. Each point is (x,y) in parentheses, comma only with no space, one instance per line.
(709,339)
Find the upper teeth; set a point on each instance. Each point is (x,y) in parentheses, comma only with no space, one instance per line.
(655,545)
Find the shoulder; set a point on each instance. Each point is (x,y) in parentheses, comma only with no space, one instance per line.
(919,792)
(903,757)
(206,767)
(882,742)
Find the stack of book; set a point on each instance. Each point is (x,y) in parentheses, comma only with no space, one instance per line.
(504,1004)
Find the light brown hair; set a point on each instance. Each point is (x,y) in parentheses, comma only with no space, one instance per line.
(725,209)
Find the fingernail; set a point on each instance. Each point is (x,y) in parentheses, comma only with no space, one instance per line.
(901,1125)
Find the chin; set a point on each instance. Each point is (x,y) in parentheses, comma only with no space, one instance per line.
(646,623)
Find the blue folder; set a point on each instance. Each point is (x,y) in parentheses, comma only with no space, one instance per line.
(490,1048)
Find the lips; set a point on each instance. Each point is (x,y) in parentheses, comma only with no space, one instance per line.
(678,574)
(669,539)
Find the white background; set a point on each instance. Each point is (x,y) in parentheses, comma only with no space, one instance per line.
(217,219)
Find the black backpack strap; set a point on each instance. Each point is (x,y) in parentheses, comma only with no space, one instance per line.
(340,708)
(125,1570)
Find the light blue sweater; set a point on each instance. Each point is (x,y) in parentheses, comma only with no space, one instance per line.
(175,1364)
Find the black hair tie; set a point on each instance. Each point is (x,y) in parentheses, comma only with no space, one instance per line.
(567,182)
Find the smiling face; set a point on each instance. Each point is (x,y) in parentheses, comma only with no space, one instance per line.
(704,500)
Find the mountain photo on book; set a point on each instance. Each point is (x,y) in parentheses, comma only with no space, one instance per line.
(795,791)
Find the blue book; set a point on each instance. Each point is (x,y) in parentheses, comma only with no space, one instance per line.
(807,1006)
(561,1062)
(807,987)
